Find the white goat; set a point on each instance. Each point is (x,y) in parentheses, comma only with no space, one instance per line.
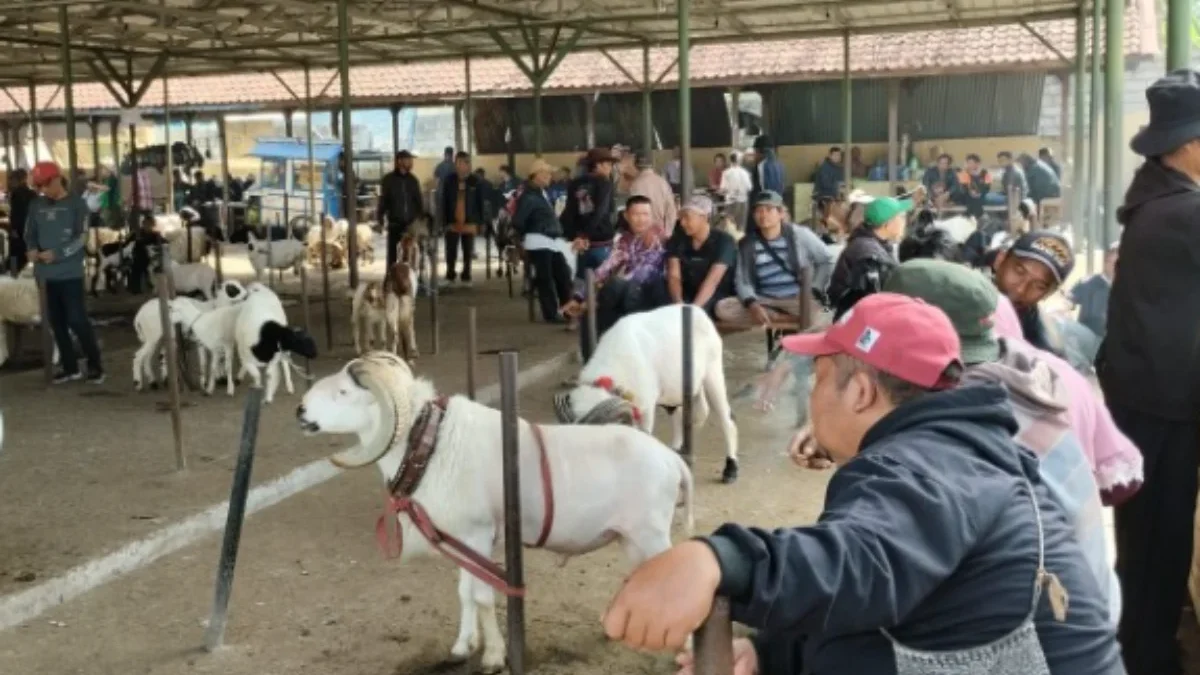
(958,227)
(213,332)
(638,366)
(148,324)
(19,305)
(193,278)
(462,490)
(275,255)
(374,315)
(263,338)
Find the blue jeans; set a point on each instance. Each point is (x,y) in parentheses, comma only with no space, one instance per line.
(590,259)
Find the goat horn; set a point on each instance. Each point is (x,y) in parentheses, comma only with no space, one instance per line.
(367,372)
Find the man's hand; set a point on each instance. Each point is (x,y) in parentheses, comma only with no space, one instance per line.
(805,453)
(579,245)
(745,659)
(46,256)
(32,256)
(572,309)
(666,599)
(760,315)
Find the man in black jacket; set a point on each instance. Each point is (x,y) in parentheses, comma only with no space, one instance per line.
(462,216)
(19,200)
(587,219)
(867,259)
(399,202)
(1149,369)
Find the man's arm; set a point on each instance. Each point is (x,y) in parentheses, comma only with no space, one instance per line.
(743,276)
(726,258)
(31,230)
(601,214)
(384,195)
(886,540)
(78,232)
(675,280)
(812,248)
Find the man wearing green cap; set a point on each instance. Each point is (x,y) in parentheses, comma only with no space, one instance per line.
(868,257)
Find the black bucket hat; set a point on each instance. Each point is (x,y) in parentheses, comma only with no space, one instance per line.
(1174,114)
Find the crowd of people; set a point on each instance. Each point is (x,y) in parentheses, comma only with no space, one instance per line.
(962,530)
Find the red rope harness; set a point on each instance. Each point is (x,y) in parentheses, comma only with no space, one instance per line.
(422,443)
(606,383)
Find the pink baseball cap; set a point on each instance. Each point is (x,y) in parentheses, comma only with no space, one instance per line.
(895,334)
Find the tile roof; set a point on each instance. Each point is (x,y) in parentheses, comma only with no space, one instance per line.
(878,55)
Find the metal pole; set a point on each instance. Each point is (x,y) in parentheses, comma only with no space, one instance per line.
(115,133)
(714,641)
(685,99)
(33,122)
(312,205)
(537,117)
(226,180)
(8,152)
(434,335)
(1092,202)
(893,113)
(458,126)
(688,386)
(64,27)
(1114,89)
(135,191)
(590,289)
(351,188)
(472,350)
(171,156)
(1179,38)
(395,110)
(1079,188)
(164,314)
(469,107)
(214,637)
(847,113)
(513,562)
(735,116)
(287,122)
(93,125)
(187,128)
(647,105)
(589,117)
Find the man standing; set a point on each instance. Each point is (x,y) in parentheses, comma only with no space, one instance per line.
(644,182)
(736,185)
(768,170)
(56,234)
(1149,369)
(400,202)
(19,200)
(830,177)
(462,206)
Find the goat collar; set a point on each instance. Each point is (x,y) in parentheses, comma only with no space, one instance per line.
(606,383)
(422,441)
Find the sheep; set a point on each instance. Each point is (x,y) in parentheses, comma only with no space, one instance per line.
(364,240)
(193,278)
(263,338)
(461,490)
(276,255)
(637,365)
(213,332)
(333,248)
(19,305)
(148,325)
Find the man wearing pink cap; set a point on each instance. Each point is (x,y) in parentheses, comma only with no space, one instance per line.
(939,550)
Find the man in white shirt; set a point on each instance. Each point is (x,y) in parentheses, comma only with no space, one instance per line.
(736,185)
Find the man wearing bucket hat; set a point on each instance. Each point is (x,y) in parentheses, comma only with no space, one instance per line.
(1149,369)
(938,550)
(868,258)
(56,233)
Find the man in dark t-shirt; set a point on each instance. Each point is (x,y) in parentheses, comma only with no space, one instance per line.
(700,259)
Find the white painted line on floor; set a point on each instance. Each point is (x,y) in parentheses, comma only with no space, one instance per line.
(17,608)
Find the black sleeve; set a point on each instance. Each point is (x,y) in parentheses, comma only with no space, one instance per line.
(676,242)
(600,219)
(726,251)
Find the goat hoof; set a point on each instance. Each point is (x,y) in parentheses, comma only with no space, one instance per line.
(458,655)
(492,665)
(730,474)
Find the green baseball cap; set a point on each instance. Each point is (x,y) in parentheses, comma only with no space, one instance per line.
(966,296)
(883,209)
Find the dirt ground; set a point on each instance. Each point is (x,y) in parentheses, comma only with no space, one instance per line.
(312,594)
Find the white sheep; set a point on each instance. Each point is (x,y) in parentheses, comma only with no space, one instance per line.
(595,502)
(365,242)
(19,305)
(213,332)
(193,278)
(958,227)
(264,338)
(148,325)
(638,366)
(274,255)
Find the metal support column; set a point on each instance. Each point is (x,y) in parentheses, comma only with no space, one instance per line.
(64,29)
(1079,179)
(8,147)
(893,113)
(1179,34)
(351,188)
(135,196)
(469,107)
(312,207)
(395,110)
(226,180)
(589,116)
(847,112)
(188,136)
(115,133)
(458,126)
(170,155)
(1114,114)
(735,116)
(647,105)
(537,118)
(93,126)
(1092,200)
(287,122)
(685,98)
(33,123)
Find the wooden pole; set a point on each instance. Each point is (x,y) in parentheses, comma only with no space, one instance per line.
(472,351)
(164,311)
(713,642)
(513,546)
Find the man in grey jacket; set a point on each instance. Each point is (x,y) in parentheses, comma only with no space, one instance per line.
(56,233)
(772,258)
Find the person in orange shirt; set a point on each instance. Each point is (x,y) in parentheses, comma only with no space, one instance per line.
(462,213)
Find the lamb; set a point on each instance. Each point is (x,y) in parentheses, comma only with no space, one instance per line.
(637,365)
(276,255)
(193,278)
(364,239)
(148,325)
(374,314)
(263,338)
(576,494)
(213,332)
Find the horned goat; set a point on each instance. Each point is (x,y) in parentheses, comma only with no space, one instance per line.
(637,366)
(591,501)
(148,325)
(264,339)
(274,255)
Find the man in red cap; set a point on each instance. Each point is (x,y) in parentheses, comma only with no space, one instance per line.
(939,550)
(56,232)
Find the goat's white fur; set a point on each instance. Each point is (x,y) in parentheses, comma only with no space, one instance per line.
(642,355)
(364,240)
(193,278)
(261,306)
(463,490)
(148,325)
(213,332)
(371,321)
(958,227)
(279,254)
(19,305)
